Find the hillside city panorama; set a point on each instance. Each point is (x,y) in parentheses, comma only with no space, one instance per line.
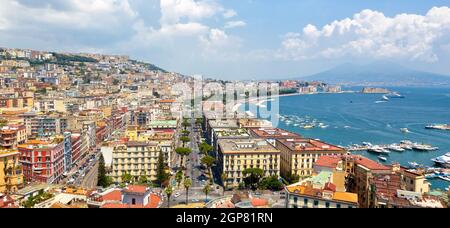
(349,115)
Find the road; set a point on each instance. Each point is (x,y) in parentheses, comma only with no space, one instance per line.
(90,180)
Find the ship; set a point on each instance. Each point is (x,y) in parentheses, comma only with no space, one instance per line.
(443,160)
(438,127)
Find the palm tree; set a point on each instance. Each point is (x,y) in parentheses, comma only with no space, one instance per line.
(187,185)
(168,191)
(206,190)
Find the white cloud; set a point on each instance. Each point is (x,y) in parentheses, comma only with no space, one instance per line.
(174,10)
(77,14)
(229,14)
(234,24)
(219,45)
(371,34)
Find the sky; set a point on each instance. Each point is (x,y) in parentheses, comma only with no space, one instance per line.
(238,39)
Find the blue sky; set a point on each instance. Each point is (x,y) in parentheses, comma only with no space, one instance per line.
(238,39)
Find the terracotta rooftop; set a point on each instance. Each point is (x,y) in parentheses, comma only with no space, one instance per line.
(274,133)
(328,161)
(308,145)
(136,189)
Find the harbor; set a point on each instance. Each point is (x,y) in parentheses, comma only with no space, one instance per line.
(388,148)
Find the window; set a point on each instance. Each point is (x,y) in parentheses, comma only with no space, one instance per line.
(338,205)
(316,203)
(327,204)
(133,201)
(305,201)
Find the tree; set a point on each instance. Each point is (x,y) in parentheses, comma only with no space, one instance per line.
(252,177)
(179,177)
(207,190)
(102,179)
(168,190)
(185,124)
(116,81)
(208,161)
(127,178)
(143,180)
(187,184)
(186,132)
(199,121)
(161,175)
(271,183)
(224,182)
(185,140)
(183,152)
(292,178)
(205,148)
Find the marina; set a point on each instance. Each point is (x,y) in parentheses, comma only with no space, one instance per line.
(386,149)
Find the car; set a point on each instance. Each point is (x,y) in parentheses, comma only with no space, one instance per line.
(195,200)
(176,195)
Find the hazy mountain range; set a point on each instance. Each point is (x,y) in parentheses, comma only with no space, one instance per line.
(378,74)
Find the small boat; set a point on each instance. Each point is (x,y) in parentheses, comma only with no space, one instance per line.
(378,150)
(394,95)
(382,158)
(413,165)
(308,127)
(404,130)
(385,98)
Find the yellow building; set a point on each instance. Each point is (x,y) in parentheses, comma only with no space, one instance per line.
(299,155)
(11,177)
(137,158)
(237,155)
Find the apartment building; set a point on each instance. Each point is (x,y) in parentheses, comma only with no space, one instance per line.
(12,135)
(11,177)
(237,155)
(137,158)
(298,155)
(43,160)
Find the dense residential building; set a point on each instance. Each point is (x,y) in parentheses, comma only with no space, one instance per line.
(254,123)
(228,133)
(320,191)
(136,158)
(11,177)
(298,155)
(272,134)
(377,184)
(12,135)
(42,160)
(237,155)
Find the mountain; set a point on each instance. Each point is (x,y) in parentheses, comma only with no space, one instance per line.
(380,73)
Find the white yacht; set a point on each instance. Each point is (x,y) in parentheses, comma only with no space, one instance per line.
(396,148)
(443,160)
